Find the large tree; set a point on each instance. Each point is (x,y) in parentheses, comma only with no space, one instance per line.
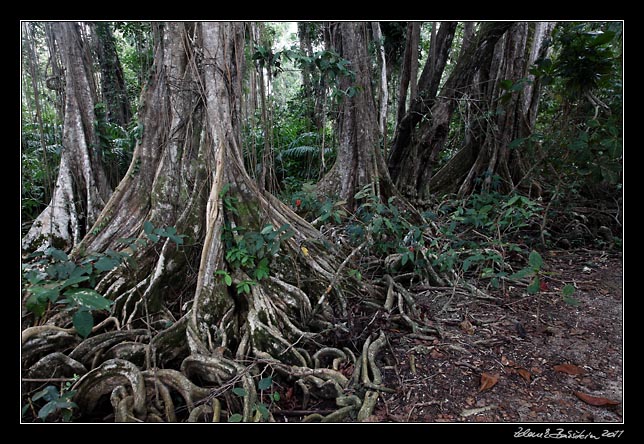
(82,187)
(188,172)
(359,160)
(503,107)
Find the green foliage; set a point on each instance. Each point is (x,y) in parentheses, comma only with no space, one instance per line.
(249,251)
(58,402)
(480,232)
(258,408)
(581,111)
(52,277)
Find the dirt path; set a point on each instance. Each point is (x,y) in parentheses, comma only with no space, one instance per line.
(440,380)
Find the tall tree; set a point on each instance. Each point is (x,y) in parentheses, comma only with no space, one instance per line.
(359,160)
(415,149)
(505,112)
(81,187)
(113,87)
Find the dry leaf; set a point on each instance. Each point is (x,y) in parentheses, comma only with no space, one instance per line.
(506,361)
(467,327)
(436,354)
(525,374)
(569,369)
(593,400)
(488,381)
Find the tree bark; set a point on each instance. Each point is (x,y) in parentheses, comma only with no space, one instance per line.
(112,81)
(359,161)
(428,85)
(490,157)
(81,188)
(416,159)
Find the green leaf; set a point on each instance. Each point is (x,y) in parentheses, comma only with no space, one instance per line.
(516,143)
(568,290)
(535,260)
(88,298)
(265,383)
(25,409)
(520,274)
(148,227)
(505,84)
(571,301)
(106,263)
(602,39)
(267,229)
(240,391)
(47,410)
(533,288)
(276,396)
(83,322)
(263,411)
(35,306)
(49,393)
(153,237)
(74,280)
(235,417)
(57,254)
(228,280)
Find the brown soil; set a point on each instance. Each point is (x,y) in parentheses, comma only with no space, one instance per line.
(440,380)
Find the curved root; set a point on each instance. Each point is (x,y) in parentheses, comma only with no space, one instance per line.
(96,344)
(103,379)
(56,365)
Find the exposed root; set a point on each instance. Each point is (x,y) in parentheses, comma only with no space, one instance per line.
(95,345)
(56,365)
(104,379)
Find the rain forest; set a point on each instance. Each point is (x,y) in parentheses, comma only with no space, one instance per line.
(292,222)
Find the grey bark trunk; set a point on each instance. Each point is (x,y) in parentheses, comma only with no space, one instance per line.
(411,163)
(81,187)
(112,80)
(487,149)
(359,161)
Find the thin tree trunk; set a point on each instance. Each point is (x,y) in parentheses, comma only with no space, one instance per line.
(112,80)
(405,75)
(32,64)
(82,187)
(413,66)
(383,97)
(428,85)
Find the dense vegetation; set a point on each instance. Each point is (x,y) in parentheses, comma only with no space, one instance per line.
(361,160)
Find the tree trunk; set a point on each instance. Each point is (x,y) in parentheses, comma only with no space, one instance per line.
(428,87)
(411,162)
(112,81)
(359,161)
(383,92)
(488,142)
(81,187)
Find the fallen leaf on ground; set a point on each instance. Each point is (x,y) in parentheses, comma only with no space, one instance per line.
(506,361)
(488,381)
(594,400)
(569,369)
(467,327)
(525,374)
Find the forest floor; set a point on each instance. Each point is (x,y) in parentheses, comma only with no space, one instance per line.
(497,363)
